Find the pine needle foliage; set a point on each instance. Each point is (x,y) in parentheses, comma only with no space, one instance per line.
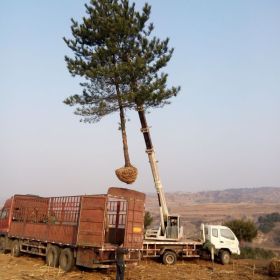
(118,58)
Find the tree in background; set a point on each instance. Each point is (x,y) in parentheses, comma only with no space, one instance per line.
(148,219)
(120,61)
(245,230)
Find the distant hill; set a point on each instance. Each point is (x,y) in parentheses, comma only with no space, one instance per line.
(246,195)
(216,207)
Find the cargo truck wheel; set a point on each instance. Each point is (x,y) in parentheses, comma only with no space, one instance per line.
(66,259)
(2,245)
(15,248)
(52,256)
(169,257)
(224,257)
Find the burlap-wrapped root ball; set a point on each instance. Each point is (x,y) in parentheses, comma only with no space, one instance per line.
(127,175)
(274,267)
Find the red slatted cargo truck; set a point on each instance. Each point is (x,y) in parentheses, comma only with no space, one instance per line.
(82,230)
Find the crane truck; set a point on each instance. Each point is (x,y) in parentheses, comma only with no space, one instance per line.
(168,241)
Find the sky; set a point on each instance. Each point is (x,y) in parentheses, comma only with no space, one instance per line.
(222,131)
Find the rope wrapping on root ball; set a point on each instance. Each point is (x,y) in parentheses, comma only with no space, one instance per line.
(127,174)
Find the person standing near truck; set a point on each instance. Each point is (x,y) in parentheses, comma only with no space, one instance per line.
(120,252)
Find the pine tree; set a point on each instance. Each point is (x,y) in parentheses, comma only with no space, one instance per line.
(148,219)
(96,46)
(120,62)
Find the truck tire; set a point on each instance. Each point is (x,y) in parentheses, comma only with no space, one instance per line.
(66,259)
(2,245)
(15,248)
(169,258)
(52,256)
(224,257)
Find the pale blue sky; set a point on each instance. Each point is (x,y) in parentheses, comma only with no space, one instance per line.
(222,131)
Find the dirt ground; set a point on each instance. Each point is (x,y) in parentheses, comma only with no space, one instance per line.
(34,268)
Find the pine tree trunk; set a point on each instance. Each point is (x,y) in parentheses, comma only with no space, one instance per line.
(123,129)
(128,173)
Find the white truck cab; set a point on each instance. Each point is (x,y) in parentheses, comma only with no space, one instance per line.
(222,239)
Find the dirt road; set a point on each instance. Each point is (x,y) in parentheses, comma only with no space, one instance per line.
(34,268)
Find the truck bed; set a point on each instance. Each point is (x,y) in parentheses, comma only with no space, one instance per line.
(183,248)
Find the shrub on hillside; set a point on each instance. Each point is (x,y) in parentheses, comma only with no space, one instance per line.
(245,230)
(266,227)
(270,218)
(267,222)
(255,253)
(277,238)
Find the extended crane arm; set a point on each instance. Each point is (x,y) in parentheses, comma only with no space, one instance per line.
(153,163)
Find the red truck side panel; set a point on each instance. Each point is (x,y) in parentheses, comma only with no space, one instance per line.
(41,232)
(45,219)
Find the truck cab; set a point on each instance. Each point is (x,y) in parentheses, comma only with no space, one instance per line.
(5,217)
(222,240)
(5,220)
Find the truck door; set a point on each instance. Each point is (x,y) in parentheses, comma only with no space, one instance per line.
(215,237)
(227,239)
(116,220)
(91,222)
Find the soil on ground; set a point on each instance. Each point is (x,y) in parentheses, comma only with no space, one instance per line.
(34,268)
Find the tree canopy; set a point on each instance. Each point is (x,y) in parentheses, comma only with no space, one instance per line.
(114,51)
(120,62)
(148,219)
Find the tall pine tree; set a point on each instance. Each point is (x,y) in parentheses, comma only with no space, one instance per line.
(121,64)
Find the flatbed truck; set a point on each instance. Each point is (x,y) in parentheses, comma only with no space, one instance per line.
(216,241)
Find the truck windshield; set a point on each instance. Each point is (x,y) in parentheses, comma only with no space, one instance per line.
(4,214)
(226,233)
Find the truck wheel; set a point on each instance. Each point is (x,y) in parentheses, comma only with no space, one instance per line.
(2,245)
(66,259)
(52,256)
(169,257)
(15,248)
(224,257)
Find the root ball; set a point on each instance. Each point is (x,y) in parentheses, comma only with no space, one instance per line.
(127,175)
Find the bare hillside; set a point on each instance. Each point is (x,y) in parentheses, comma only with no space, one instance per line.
(217,207)
(246,195)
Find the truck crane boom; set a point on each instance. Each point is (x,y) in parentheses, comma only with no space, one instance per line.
(169,224)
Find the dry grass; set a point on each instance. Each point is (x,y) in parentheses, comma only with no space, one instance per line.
(31,268)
